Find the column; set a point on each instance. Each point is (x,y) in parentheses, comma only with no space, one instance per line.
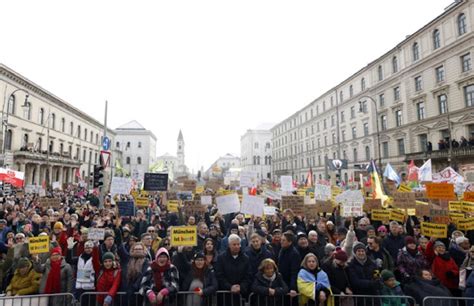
(37,174)
(61,170)
(21,167)
(50,175)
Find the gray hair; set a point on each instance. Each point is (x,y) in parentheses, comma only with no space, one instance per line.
(234,237)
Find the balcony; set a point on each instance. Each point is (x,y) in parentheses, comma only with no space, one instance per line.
(461,153)
(54,157)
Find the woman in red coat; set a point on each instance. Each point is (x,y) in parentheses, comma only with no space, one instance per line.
(445,268)
(108,279)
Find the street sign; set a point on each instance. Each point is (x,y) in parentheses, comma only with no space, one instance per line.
(104,159)
(106,143)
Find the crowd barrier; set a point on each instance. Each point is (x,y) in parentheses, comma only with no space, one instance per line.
(121,299)
(60,299)
(447,301)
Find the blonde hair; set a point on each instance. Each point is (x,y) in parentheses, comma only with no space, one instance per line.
(266,262)
(304,262)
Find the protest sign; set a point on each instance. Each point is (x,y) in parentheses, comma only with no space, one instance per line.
(185,236)
(455,205)
(440,191)
(274,195)
(184,195)
(397,215)
(324,207)
(322,192)
(252,205)
(206,200)
(465,224)
(380,215)
(269,210)
(172,206)
(15,178)
(352,208)
(467,206)
(50,202)
(469,196)
(434,230)
(38,245)
(286,183)
(228,204)
(120,185)
(126,208)
(199,189)
(142,201)
(350,196)
(56,185)
(156,182)
(295,203)
(454,216)
(96,234)
(193,207)
(308,200)
(189,185)
(371,204)
(404,199)
(248,179)
(404,188)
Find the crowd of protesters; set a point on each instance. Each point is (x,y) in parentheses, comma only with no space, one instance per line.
(284,256)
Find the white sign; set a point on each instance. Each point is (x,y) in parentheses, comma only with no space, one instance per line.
(42,192)
(252,205)
(274,195)
(286,183)
(269,210)
(120,185)
(56,185)
(227,180)
(32,188)
(96,234)
(206,200)
(228,204)
(248,179)
(309,201)
(322,192)
(352,209)
(350,196)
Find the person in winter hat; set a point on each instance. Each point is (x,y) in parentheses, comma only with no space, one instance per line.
(160,280)
(85,273)
(445,268)
(201,280)
(25,281)
(410,260)
(337,273)
(391,287)
(108,277)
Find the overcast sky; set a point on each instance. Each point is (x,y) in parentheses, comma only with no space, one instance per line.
(211,68)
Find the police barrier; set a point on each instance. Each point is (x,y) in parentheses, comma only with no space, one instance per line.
(192,298)
(59,299)
(120,299)
(447,301)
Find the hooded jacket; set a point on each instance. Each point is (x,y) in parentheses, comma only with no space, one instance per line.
(25,284)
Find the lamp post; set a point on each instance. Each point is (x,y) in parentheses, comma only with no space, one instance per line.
(377,126)
(5,116)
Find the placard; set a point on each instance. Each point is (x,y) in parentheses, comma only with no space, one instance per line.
(193,207)
(56,185)
(50,202)
(185,236)
(228,204)
(206,200)
(322,192)
(142,201)
(380,215)
(371,204)
(189,185)
(248,179)
(440,191)
(455,205)
(404,199)
(96,233)
(434,230)
(172,206)
(295,203)
(126,208)
(199,189)
(465,224)
(468,196)
(269,210)
(454,216)
(156,182)
(467,206)
(397,215)
(120,185)
(352,209)
(286,183)
(252,205)
(38,245)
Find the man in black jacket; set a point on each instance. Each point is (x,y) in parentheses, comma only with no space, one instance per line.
(394,242)
(289,262)
(336,271)
(256,252)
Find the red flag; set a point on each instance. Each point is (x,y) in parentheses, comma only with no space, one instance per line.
(412,172)
(309,178)
(78,173)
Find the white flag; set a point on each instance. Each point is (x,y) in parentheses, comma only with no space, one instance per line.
(425,172)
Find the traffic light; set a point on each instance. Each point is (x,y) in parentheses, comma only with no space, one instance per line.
(98,176)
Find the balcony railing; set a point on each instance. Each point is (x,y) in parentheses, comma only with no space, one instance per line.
(54,157)
(462,152)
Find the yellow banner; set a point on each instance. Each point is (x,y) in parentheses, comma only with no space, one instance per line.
(404,188)
(172,206)
(141,201)
(397,215)
(466,224)
(411,211)
(455,205)
(421,203)
(380,215)
(456,216)
(434,230)
(183,236)
(199,189)
(467,206)
(38,245)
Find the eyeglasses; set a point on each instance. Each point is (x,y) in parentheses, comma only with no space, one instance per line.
(19,238)
(151,231)
(166,244)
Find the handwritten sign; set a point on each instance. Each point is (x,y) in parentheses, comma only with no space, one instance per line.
(120,185)
(252,205)
(228,204)
(183,236)
(96,234)
(38,245)
(156,182)
(126,208)
(50,202)
(380,215)
(440,191)
(434,230)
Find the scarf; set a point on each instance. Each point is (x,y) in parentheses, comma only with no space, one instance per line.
(271,278)
(412,252)
(158,273)
(53,282)
(134,267)
(445,256)
(85,256)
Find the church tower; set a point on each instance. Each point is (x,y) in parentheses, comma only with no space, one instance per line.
(180,153)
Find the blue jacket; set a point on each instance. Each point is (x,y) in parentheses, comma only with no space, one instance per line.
(255,258)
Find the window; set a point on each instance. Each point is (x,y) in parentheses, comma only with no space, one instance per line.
(418,85)
(443,104)
(341,97)
(469,95)
(398,117)
(354,132)
(53,121)
(396,93)
(325,141)
(362,84)
(324,106)
(343,133)
(51,146)
(79,131)
(367,153)
(466,62)
(77,153)
(41,116)
(416,52)
(439,74)
(267,145)
(333,121)
(92,136)
(436,39)
(382,100)
(85,134)
(385,149)
(11,105)
(351,91)
(255,145)
(344,154)
(334,138)
(354,152)
(462,25)
(353,112)
(96,138)
(63,124)
(258,160)
(84,155)
(401,146)
(40,145)
(343,119)
(71,128)
(128,144)
(139,160)
(8,140)
(423,141)
(27,111)
(383,122)
(332,102)
(25,141)
(363,107)
(127,161)
(325,124)
(380,72)
(420,110)
(366,129)
(140,144)
(394,64)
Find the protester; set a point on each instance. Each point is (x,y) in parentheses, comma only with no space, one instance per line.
(445,269)
(256,252)
(25,281)
(424,285)
(202,281)
(313,282)
(132,274)
(336,269)
(289,262)
(268,284)
(391,287)
(410,260)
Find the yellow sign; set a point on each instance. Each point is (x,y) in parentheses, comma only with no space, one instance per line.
(141,201)
(455,206)
(456,216)
(467,206)
(397,215)
(172,206)
(183,236)
(301,192)
(38,245)
(434,230)
(466,224)
(380,215)
(404,188)
(227,192)
(199,189)
(411,211)
(421,203)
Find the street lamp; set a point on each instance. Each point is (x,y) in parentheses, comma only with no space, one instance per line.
(26,105)
(377,125)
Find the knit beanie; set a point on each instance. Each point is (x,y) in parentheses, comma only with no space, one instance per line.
(409,240)
(329,248)
(23,263)
(108,234)
(162,251)
(340,255)
(439,244)
(386,275)
(358,246)
(56,251)
(108,255)
(58,225)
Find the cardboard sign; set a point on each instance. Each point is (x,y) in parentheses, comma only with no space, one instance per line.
(404,188)
(371,204)
(228,204)
(189,185)
(440,191)
(397,215)
(422,210)
(455,205)
(206,200)
(469,196)
(380,215)
(434,230)
(252,205)
(269,210)
(156,182)
(50,202)
(322,192)
(295,203)
(352,209)
(38,245)
(184,236)
(126,208)
(467,206)
(194,207)
(404,199)
(172,206)
(96,234)
(324,207)
(466,224)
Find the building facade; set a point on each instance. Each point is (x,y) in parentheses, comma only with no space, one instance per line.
(256,152)
(46,138)
(138,146)
(397,108)
(222,165)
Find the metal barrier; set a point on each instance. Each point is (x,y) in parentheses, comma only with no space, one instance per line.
(278,300)
(372,300)
(447,301)
(120,299)
(191,298)
(59,299)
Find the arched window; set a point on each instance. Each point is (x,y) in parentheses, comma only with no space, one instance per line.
(53,121)
(97,138)
(51,146)
(367,153)
(84,155)
(63,125)
(270,160)
(40,145)
(8,140)
(25,141)
(92,136)
(128,160)
(70,152)
(117,144)
(71,128)
(139,160)
(41,116)
(394,64)
(255,160)
(341,96)
(258,160)
(11,105)
(362,84)
(27,111)
(351,91)
(462,25)
(61,148)
(140,144)
(436,39)
(355,154)
(380,72)
(85,134)
(416,52)
(79,131)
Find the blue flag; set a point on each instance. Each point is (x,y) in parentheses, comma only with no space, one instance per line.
(390,174)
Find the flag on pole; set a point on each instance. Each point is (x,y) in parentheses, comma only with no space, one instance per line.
(78,174)
(390,174)
(309,178)
(377,192)
(425,173)
(412,172)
